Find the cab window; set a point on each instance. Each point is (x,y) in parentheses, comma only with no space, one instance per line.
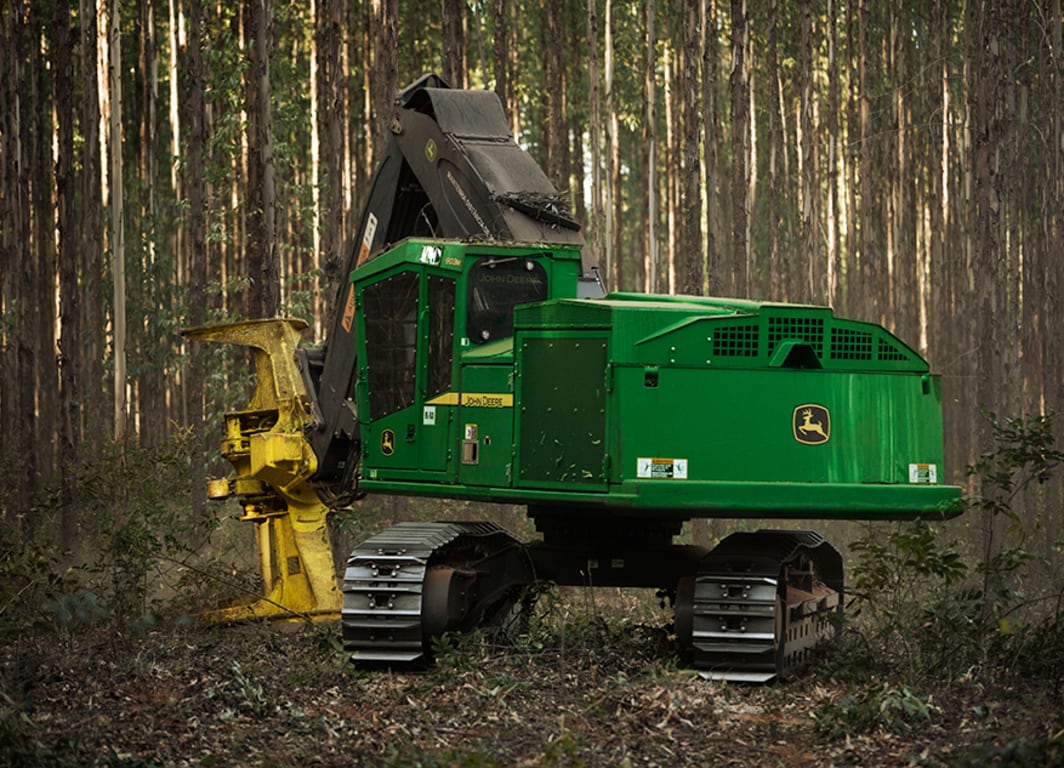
(441,335)
(390,312)
(496,286)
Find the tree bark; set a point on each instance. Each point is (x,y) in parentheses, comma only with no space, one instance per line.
(263,259)
(69,310)
(738,274)
(117,232)
(91,236)
(594,91)
(691,252)
(197,267)
(650,143)
(710,54)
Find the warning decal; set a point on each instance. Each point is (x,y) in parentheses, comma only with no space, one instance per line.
(661,469)
(923,473)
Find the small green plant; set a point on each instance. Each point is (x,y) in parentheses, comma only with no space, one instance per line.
(894,709)
(242,694)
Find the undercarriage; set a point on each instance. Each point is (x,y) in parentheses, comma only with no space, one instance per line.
(754,608)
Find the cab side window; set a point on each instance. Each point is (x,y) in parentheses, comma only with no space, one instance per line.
(496,286)
(390,312)
(441,295)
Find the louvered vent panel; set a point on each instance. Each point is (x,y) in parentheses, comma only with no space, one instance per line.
(850,344)
(888,351)
(808,329)
(735,341)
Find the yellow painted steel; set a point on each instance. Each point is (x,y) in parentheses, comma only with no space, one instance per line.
(273,465)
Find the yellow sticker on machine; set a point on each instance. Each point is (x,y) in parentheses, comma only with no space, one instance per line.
(475,399)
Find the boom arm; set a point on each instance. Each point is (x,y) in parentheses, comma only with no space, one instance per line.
(451,170)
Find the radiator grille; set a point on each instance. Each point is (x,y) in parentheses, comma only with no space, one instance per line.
(808,329)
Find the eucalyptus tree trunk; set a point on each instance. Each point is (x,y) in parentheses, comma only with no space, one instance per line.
(90,256)
(117,233)
(329,181)
(501,54)
(613,173)
(739,278)
(67,251)
(710,53)
(650,144)
(452,18)
(197,266)
(263,258)
(594,90)
(691,252)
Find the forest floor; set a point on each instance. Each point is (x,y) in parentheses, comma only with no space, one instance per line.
(604,691)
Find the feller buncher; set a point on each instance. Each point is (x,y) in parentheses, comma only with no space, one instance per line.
(474,355)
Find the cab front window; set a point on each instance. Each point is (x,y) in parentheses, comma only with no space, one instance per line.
(496,286)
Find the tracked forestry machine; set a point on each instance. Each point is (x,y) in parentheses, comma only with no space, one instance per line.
(475,356)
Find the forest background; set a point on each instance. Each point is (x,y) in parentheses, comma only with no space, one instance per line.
(166,164)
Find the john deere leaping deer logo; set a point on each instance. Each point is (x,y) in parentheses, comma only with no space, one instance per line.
(812,424)
(387,442)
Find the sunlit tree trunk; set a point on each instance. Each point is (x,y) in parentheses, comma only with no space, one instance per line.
(737,272)
(650,143)
(710,53)
(117,233)
(67,252)
(90,255)
(594,90)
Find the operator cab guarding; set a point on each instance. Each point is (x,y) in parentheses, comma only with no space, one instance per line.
(436,331)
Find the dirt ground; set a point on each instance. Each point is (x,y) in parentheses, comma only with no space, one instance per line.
(603,692)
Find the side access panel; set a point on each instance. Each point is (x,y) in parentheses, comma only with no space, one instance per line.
(561,411)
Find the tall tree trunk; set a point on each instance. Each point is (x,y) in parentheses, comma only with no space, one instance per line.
(452,17)
(834,261)
(69,311)
(500,48)
(650,163)
(90,255)
(812,285)
(738,273)
(17,261)
(594,91)
(691,252)
(777,174)
(41,291)
(117,233)
(385,73)
(197,267)
(710,54)
(672,175)
(263,258)
(869,259)
(330,138)
(613,261)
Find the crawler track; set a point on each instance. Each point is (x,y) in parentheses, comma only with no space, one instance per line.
(415,581)
(761,603)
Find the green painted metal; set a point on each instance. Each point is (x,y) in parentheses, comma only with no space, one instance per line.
(659,406)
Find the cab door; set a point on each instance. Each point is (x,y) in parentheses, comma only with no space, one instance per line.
(407,358)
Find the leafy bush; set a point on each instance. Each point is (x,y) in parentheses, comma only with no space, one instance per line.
(935,615)
(895,709)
